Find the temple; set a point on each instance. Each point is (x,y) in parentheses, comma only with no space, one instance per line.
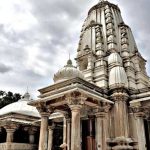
(102,104)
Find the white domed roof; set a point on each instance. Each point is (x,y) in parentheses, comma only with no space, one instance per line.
(67,72)
(118,78)
(115,59)
(20,107)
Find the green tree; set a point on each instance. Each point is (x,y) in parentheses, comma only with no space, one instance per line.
(8,98)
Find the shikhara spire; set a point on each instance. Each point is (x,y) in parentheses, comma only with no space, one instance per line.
(103,33)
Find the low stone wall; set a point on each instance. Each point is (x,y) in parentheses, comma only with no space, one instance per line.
(18,146)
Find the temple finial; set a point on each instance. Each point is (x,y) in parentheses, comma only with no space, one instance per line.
(69,55)
(69,62)
(27,91)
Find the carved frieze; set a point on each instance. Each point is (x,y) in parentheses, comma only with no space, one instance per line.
(43,108)
(76,98)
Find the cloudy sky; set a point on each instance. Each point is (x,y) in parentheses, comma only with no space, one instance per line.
(36,37)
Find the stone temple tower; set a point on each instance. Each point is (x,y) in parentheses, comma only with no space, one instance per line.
(105,101)
(108,56)
(104,33)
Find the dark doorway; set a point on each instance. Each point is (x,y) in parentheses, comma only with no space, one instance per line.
(84,134)
(57,136)
(88,135)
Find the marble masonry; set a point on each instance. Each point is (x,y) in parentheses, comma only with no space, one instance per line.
(102,104)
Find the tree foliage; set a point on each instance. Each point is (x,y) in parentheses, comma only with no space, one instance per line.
(8,98)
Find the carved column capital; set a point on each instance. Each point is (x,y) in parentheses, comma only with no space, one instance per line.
(120,96)
(102,109)
(75,100)
(44,110)
(10,129)
(141,111)
(10,126)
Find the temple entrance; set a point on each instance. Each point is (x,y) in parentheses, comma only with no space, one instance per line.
(88,134)
(57,136)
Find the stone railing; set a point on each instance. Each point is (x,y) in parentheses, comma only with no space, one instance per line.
(17,146)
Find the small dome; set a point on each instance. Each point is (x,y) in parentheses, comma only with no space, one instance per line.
(21,107)
(118,78)
(67,72)
(114,59)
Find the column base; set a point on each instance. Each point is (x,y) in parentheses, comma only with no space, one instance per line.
(121,143)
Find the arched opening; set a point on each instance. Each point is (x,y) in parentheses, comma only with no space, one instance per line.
(2,135)
(21,136)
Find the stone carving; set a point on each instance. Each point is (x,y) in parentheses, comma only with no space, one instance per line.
(120,96)
(109,20)
(107,10)
(102,108)
(109,26)
(99,41)
(110,32)
(75,98)
(111,38)
(124,40)
(141,111)
(43,108)
(10,125)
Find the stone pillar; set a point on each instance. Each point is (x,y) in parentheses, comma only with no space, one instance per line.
(10,135)
(75,101)
(68,134)
(120,114)
(32,132)
(64,145)
(101,129)
(50,137)
(140,132)
(121,122)
(75,127)
(101,125)
(10,129)
(139,125)
(65,131)
(43,142)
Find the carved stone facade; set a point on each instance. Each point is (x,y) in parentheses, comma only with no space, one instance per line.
(104,103)
(107,98)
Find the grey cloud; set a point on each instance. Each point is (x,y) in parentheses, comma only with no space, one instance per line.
(4,68)
(62,21)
